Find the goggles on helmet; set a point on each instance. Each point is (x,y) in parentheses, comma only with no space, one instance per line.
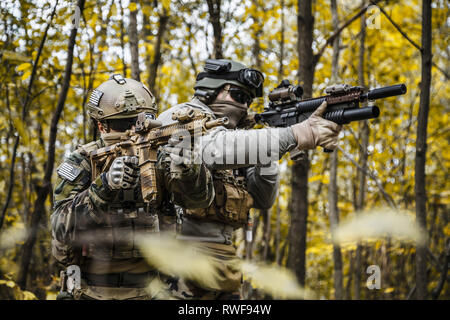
(249,77)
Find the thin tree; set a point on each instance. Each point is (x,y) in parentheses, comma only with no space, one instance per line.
(299,178)
(45,188)
(134,42)
(421,149)
(333,187)
(363,156)
(214,9)
(154,62)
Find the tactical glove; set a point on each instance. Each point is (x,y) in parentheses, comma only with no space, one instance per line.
(181,162)
(316,131)
(123,173)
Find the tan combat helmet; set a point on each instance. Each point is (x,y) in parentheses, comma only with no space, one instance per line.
(120,98)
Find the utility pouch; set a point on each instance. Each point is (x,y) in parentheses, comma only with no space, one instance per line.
(231,204)
(70,281)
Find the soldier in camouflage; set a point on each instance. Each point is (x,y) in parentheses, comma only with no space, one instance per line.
(227,88)
(95,222)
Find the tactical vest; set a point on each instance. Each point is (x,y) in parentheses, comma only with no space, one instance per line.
(232,202)
(127,217)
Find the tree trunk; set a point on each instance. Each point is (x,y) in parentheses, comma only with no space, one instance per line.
(333,188)
(421,149)
(266,235)
(214,19)
(299,179)
(278,235)
(281,57)
(122,40)
(364,134)
(45,189)
(134,44)
(154,63)
(348,287)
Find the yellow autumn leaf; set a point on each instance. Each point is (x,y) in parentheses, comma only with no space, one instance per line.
(447,231)
(26,75)
(166,4)
(146,9)
(389,290)
(315,178)
(14,56)
(24,66)
(132,6)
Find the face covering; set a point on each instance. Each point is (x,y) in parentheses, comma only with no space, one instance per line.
(234,111)
(111,138)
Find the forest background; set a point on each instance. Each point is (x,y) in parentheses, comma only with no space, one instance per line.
(53,53)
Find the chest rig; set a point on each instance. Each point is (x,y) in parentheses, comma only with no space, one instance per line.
(127,216)
(232,202)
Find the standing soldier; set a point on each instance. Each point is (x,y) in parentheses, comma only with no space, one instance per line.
(227,88)
(95,221)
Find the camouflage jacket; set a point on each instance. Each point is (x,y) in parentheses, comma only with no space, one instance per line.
(260,181)
(92,222)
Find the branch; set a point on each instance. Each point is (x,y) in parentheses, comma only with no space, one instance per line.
(386,196)
(338,31)
(410,40)
(436,291)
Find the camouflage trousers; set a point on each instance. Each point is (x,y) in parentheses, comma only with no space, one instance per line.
(226,280)
(89,292)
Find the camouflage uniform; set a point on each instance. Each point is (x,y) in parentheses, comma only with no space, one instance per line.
(95,227)
(249,180)
(236,191)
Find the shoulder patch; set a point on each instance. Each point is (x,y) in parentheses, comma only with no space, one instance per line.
(68,171)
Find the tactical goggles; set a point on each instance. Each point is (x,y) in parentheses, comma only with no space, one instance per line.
(240,95)
(249,77)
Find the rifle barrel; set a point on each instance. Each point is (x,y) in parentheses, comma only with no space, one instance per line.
(384,92)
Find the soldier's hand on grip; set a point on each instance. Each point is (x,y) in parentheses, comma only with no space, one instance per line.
(123,173)
(180,156)
(317,131)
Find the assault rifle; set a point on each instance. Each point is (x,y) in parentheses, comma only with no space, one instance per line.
(287,108)
(144,141)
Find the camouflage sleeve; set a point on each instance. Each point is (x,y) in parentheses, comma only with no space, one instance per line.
(78,204)
(192,189)
(263,184)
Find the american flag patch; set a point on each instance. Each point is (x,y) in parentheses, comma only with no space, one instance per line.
(95,97)
(68,172)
